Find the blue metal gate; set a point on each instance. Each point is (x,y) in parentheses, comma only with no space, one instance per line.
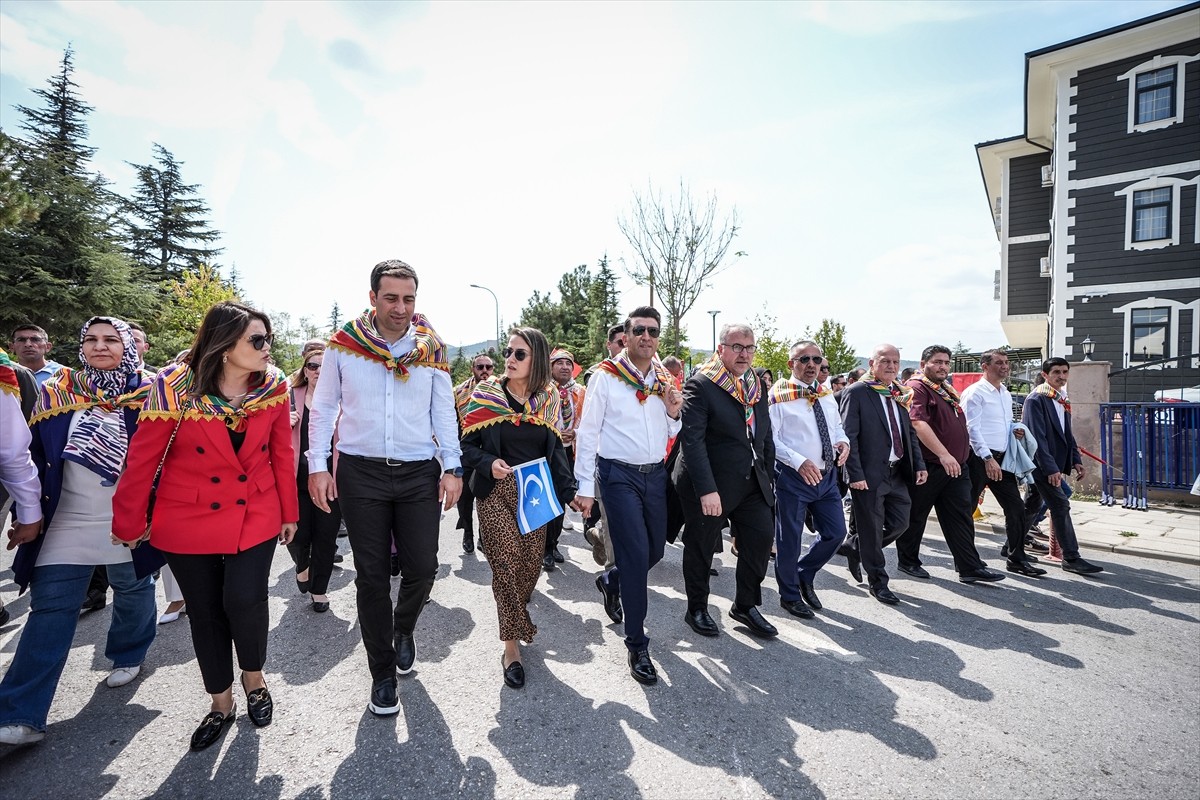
(1145,446)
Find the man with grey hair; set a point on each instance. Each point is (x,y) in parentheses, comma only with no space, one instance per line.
(723,473)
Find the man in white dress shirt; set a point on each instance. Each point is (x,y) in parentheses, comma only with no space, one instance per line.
(632,409)
(398,467)
(810,446)
(18,475)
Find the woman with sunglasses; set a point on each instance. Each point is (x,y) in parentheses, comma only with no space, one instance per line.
(218,428)
(508,421)
(315,545)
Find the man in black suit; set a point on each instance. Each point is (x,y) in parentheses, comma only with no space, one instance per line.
(723,473)
(882,459)
(1047,414)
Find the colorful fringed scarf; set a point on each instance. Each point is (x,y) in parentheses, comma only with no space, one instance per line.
(462,395)
(1054,394)
(785,390)
(898,392)
(945,391)
(623,369)
(171,393)
(571,399)
(8,376)
(359,337)
(735,387)
(69,390)
(489,405)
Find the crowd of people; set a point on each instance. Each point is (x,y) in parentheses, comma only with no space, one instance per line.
(198,472)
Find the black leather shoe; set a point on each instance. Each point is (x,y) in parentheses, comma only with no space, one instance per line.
(981,575)
(612,600)
(884,595)
(468,542)
(211,728)
(809,594)
(753,619)
(642,668)
(712,571)
(916,570)
(557,555)
(384,702)
(797,608)
(1081,567)
(548,562)
(1035,546)
(338,558)
(1024,568)
(302,585)
(260,707)
(701,622)
(855,566)
(94,602)
(1005,553)
(320,607)
(406,653)
(514,673)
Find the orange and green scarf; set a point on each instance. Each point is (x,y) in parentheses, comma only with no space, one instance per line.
(171,393)
(785,390)
(945,391)
(623,369)
(1059,397)
(69,390)
(897,391)
(8,376)
(359,337)
(735,387)
(489,405)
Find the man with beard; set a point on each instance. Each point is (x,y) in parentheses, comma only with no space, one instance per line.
(562,372)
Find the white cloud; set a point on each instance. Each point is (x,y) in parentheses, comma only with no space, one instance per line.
(876,17)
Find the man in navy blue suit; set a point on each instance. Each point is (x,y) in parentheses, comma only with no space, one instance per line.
(1047,414)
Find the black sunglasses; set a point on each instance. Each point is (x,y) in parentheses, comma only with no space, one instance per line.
(638,330)
(260,340)
(806,359)
(314,366)
(486,367)
(520,355)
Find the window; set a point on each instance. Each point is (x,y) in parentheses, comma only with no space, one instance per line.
(1155,95)
(1148,333)
(1152,214)
(1152,328)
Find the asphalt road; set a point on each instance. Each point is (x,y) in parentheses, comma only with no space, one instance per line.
(1058,688)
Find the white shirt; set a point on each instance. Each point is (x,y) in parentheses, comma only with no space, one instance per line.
(18,474)
(889,414)
(615,425)
(989,415)
(1062,414)
(794,427)
(382,415)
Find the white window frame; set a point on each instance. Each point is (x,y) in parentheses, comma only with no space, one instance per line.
(1157,182)
(1158,62)
(1172,344)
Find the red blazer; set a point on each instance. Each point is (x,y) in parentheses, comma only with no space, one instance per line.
(210,499)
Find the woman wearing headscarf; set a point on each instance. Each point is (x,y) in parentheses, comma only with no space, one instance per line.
(80,431)
(219,428)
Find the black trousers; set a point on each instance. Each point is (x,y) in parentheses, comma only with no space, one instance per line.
(315,543)
(745,507)
(952,499)
(880,518)
(1008,494)
(554,527)
(385,505)
(1060,514)
(226,598)
(466,505)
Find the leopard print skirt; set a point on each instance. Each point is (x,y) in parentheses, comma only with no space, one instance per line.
(515,559)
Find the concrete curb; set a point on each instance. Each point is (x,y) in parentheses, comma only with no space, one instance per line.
(1132,548)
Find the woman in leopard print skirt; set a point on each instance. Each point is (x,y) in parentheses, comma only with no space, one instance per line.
(510,420)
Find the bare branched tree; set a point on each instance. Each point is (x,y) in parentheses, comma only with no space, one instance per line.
(679,244)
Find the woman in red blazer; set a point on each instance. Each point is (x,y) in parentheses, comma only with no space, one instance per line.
(226,494)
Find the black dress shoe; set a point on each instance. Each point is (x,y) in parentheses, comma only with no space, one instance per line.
(384,702)
(797,608)
(1036,546)
(712,571)
(94,602)
(338,558)
(548,562)
(854,564)
(1081,567)
(1006,554)
(612,600)
(406,653)
(260,707)
(468,542)
(809,595)
(701,622)
(1024,568)
(557,555)
(514,673)
(303,585)
(320,607)
(884,595)
(642,668)
(753,619)
(211,728)
(977,575)
(916,570)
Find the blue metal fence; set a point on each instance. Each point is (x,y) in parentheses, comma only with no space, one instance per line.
(1145,446)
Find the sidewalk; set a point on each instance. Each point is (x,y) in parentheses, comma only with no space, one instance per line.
(1166,532)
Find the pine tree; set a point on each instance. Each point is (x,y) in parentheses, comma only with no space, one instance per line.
(831,336)
(58,131)
(602,310)
(166,221)
(16,204)
(335,318)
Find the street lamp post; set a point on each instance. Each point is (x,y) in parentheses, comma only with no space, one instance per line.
(497,300)
(714,321)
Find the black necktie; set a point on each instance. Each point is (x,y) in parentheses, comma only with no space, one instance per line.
(823,429)
(896,441)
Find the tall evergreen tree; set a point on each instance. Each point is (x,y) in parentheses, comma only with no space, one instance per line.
(58,131)
(335,318)
(603,296)
(166,221)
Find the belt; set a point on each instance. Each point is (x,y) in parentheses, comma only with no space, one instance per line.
(894,465)
(639,467)
(390,462)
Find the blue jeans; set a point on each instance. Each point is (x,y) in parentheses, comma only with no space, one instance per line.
(56,593)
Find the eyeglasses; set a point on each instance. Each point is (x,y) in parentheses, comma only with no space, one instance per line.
(260,340)
(314,366)
(740,348)
(484,367)
(28,339)
(520,355)
(639,330)
(807,359)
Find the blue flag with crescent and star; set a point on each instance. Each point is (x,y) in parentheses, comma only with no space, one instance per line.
(537,503)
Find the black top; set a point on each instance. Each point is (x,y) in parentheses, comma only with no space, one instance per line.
(236,438)
(520,443)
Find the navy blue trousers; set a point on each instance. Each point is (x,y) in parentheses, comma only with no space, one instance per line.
(793,498)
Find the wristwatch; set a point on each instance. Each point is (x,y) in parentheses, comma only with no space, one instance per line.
(456,472)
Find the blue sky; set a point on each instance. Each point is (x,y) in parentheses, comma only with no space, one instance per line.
(497,143)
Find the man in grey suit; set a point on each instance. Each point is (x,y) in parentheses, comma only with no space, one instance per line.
(882,459)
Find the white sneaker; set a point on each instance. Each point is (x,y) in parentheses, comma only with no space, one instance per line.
(19,734)
(122,675)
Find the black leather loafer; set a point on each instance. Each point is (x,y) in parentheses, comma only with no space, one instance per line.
(211,728)
(809,595)
(981,575)
(701,622)
(320,606)
(557,555)
(514,673)
(468,542)
(302,585)
(753,619)
(548,562)
(1024,568)
(260,707)
(855,566)
(796,608)
(884,595)
(406,653)
(384,702)
(642,668)
(612,600)
(916,570)
(1081,567)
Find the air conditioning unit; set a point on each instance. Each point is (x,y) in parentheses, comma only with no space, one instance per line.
(1048,175)
(1044,267)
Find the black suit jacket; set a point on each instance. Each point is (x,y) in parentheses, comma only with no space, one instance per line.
(1057,450)
(866,425)
(715,453)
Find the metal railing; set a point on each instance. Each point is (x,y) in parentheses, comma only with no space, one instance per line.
(1147,446)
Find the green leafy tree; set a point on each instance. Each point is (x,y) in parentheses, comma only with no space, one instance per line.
(17,205)
(460,368)
(669,334)
(190,295)
(771,348)
(831,336)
